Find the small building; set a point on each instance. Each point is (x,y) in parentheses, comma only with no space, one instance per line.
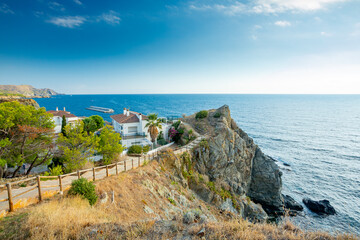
(57,117)
(132,128)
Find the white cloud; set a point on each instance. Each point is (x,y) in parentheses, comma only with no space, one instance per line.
(78,2)
(4,8)
(56,6)
(326,34)
(266,6)
(258,27)
(111,17)
(254,37)
(38,14)
(276,6)
(68,21)
(282,23)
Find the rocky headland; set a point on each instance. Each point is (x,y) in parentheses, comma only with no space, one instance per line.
(238,171)
(27,91)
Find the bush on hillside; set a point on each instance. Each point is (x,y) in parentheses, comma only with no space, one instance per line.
(84,189)
(135,149)
(146,149)
(176,124)
(54,171)
(217,115)
(162,142)
(202,114)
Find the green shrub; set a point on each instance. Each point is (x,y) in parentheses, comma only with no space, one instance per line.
(217,115)
(146,149)
(135,149)
(202,114)
(176,124)
(85,189)
(54,171)
(162,142)
(172,201)
(204,144)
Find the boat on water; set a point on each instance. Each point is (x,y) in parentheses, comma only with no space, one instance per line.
(100,109)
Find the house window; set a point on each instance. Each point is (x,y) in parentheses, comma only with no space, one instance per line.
(132,129)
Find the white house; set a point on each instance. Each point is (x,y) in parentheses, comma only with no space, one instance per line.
(131,126)
(57,117)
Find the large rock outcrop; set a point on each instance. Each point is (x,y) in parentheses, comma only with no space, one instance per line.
(230,158)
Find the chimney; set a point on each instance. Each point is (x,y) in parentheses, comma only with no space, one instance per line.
(57,109)
(140,120)
(128,113)
(64,109)
(125,111)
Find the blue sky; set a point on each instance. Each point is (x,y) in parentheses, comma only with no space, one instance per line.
(170,46)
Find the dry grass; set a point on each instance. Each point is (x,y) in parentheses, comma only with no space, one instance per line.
(244,230)
(63,219)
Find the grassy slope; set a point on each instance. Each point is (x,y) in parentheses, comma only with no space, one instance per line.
(148,187)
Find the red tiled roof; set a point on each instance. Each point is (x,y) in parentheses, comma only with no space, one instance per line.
(61,113)
(132,118)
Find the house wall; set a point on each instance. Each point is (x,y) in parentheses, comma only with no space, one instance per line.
(58,122)
(165,129)
(135,141)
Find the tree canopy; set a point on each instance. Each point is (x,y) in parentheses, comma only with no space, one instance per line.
(93,123)
(77,146)
(153,126)
(109,144)
(26,135)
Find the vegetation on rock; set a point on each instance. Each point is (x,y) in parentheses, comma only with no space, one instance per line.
(202,114)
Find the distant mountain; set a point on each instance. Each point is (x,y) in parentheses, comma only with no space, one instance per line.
(27,91)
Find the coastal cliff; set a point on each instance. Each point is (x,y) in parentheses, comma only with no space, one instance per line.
(27,91)
(231,159)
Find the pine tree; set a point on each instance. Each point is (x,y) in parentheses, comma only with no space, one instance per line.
(63,124)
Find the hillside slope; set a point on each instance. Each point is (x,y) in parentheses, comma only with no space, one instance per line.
(27,90)
(144,203)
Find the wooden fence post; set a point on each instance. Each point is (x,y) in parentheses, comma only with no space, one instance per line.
(94,174)
(78,174)
(116,168)
(11,204)
(132,163)
(125,165)
(107,170)
(39,187)
(60,183)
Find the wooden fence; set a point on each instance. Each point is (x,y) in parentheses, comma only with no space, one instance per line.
(40,187)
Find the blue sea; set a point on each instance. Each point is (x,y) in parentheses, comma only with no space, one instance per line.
(318,135)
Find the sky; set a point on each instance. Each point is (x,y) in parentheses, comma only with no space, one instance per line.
(171,46)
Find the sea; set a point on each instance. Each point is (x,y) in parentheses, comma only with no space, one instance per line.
(317,135)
